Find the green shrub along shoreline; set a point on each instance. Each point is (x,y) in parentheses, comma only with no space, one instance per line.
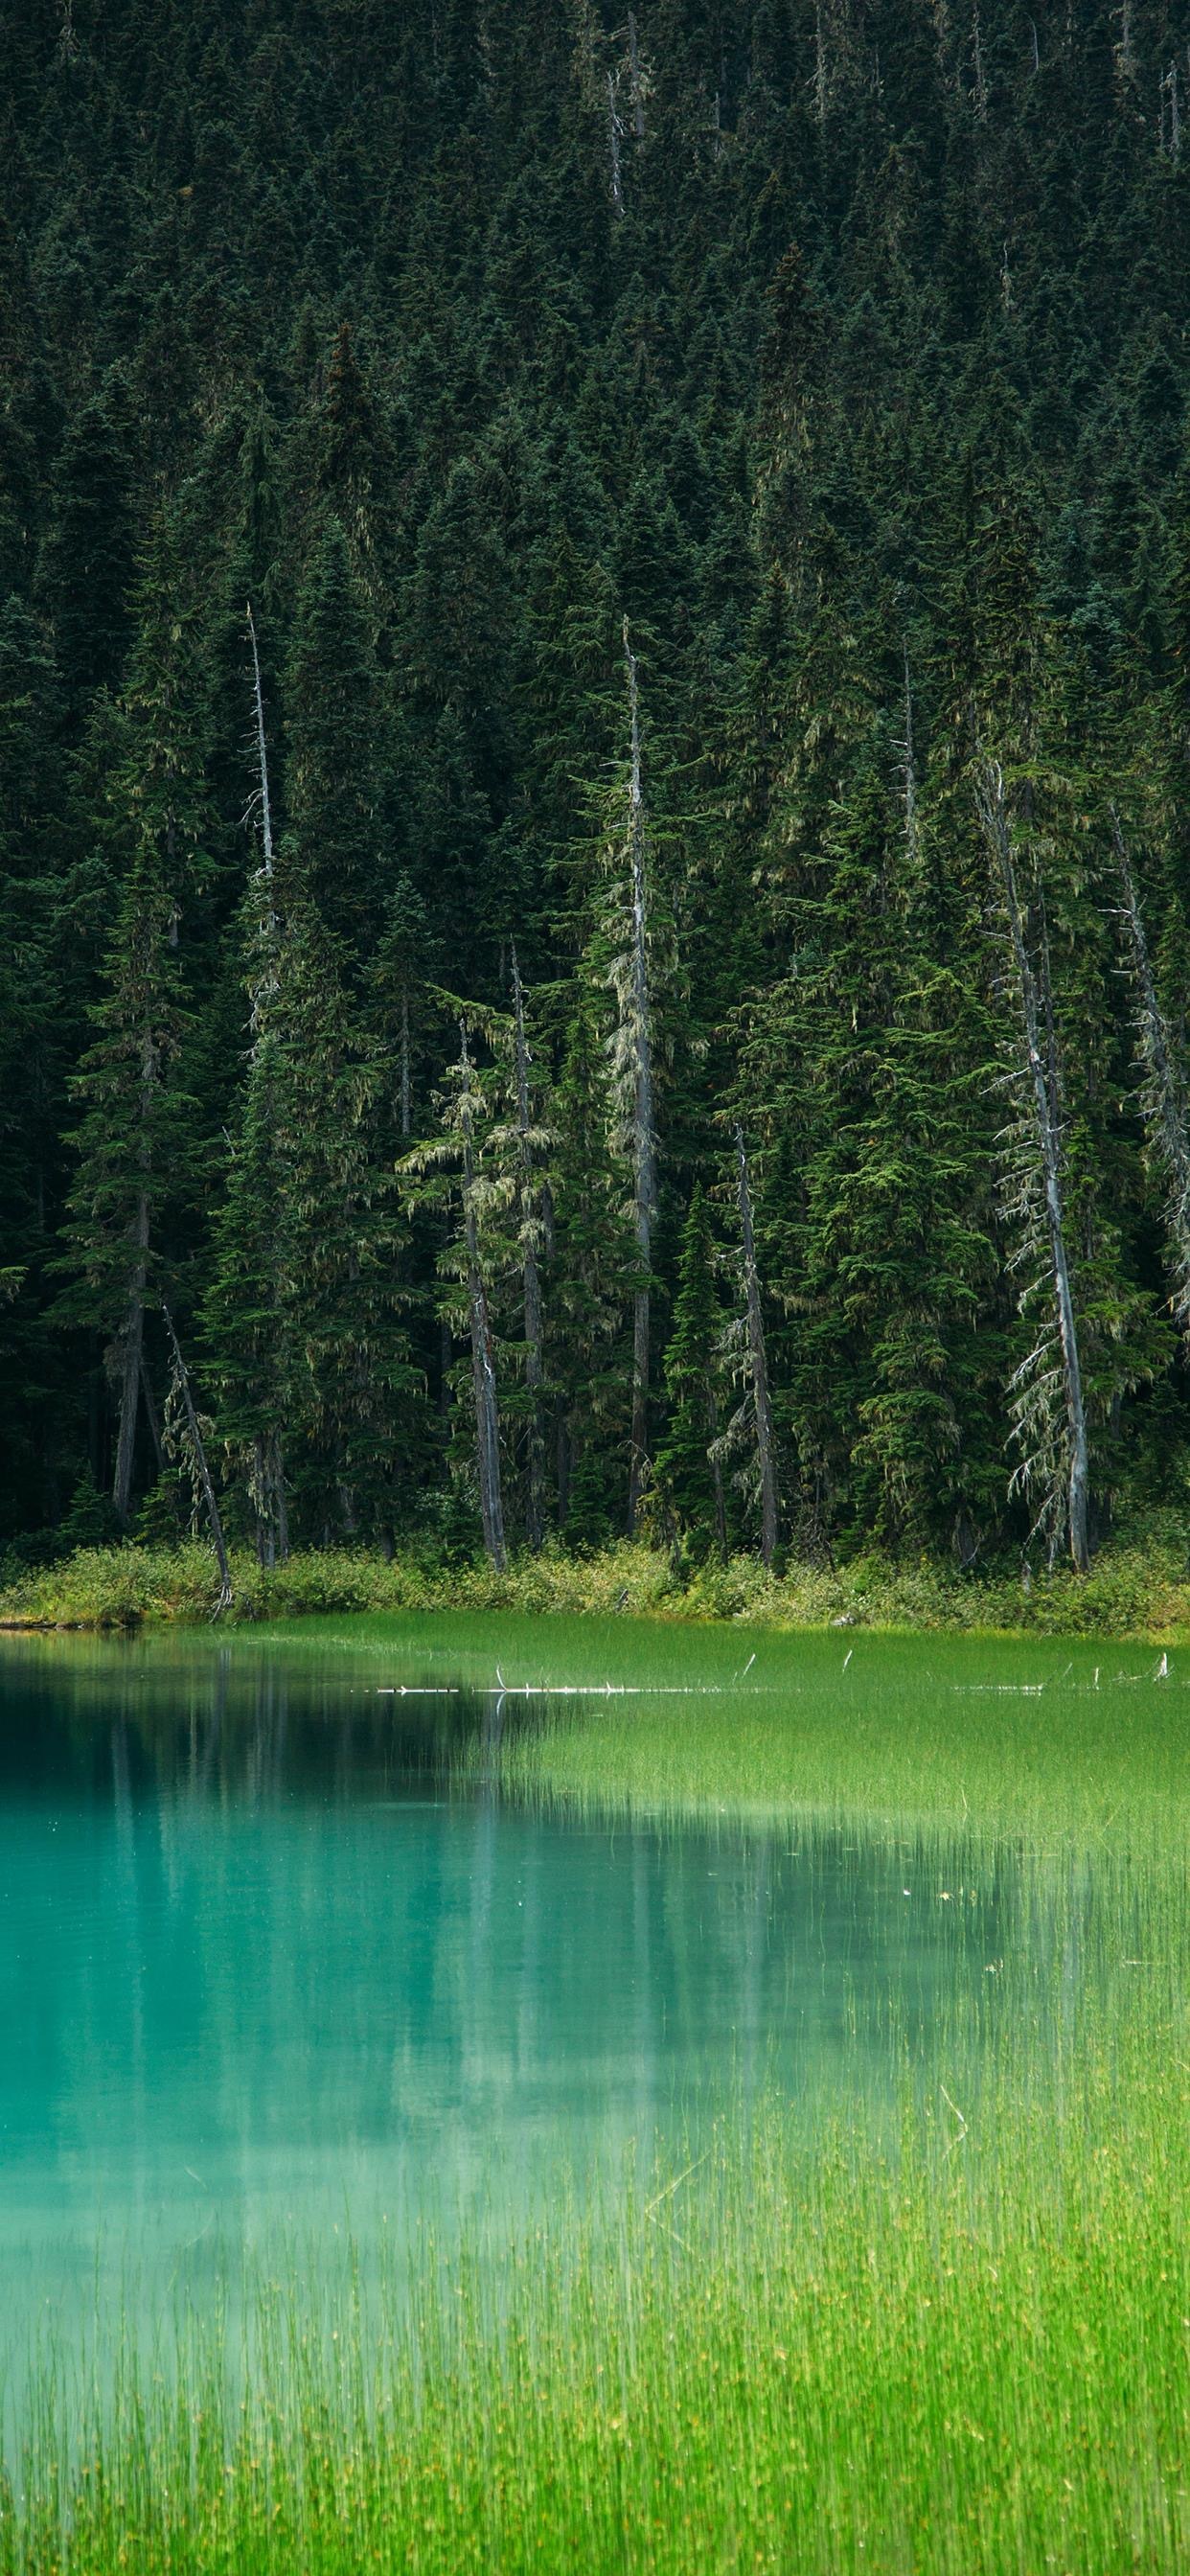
(1139,1587)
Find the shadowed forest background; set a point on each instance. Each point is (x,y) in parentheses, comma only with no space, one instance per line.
(711,492)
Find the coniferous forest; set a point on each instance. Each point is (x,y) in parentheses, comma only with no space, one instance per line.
(594,802)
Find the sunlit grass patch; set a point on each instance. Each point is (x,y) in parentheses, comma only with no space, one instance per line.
(965,2352)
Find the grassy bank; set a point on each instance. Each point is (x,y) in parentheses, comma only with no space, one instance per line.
(1136,1589)
(967,2355)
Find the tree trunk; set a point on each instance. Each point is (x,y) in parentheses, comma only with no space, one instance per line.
(406,1100)
(638,104)
(201,1469)
(717,1480)
(1165,1103)
(272,1499)
(272,1506)
(821,78)
(266,813)
(534,1324)
(912,831)
(1042,1074)
(134,1331)
(765,1445)
(483,1365)
(613,134)
(151,1411)
(266,1539)
(644,1152)
(280,1496)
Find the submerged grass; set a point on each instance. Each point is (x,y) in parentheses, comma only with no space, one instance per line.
(1073,1745)
(969,2353)
(1138,1587)
(1074,1742)
(946,2335)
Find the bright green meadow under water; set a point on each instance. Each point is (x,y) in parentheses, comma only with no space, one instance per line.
(493,2093)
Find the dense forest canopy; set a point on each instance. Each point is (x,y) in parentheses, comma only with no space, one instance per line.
(595,822)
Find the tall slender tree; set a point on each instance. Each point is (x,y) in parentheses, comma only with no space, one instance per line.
(1163,1095)
(1049,1410)
(448,1171)
(137,1120)
(627,934)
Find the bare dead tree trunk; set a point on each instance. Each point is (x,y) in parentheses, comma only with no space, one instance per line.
(644,1150)
(1042,1080)
(613,136)
(821,78)
(280,1496)
(272,1504)
(199,1466)
(266,1537)
(638,104)
(483,1365)
(266,811)
(406,1098)
(534,1323)
(981,93)
(716,1462)
(151,1416)
(758,1360)
(132,1346)
(446,1352)
(1163,1098)
(912,833)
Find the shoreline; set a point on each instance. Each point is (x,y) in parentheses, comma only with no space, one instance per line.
(1138,1591)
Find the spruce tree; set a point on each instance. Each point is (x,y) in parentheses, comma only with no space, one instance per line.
(88,567)
(334,771)
(136,1130)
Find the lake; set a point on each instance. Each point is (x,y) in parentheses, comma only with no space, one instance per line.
(286,1953)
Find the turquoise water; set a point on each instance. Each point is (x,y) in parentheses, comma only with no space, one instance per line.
(263,1968)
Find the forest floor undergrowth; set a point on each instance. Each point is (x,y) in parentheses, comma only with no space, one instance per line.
(1138,1586)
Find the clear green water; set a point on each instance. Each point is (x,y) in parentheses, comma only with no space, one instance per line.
(282,1952)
